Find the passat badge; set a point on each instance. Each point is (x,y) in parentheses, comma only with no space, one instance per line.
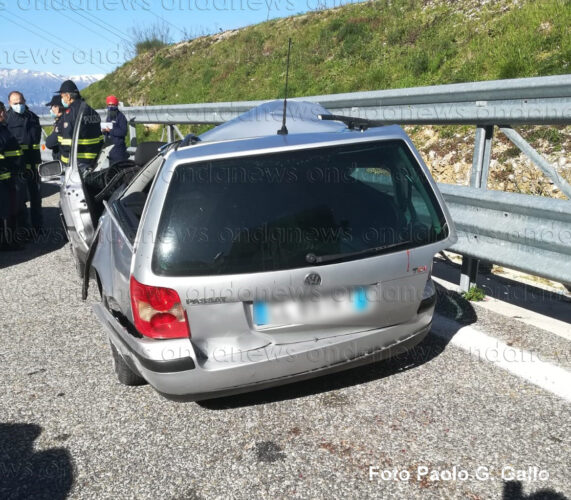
(313,279)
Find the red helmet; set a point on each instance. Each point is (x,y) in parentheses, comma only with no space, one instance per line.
(112,101)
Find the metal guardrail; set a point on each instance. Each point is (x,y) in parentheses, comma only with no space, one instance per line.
(543,100)
(528,233)
(524,232)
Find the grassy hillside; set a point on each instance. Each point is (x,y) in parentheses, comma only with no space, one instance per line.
(367,46)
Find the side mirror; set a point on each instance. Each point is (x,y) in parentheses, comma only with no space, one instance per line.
(50,169)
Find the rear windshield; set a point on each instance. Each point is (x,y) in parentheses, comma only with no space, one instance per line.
(295,209)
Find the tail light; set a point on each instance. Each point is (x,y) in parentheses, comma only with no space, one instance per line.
(158,312)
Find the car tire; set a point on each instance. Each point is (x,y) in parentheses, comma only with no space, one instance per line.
(125,375)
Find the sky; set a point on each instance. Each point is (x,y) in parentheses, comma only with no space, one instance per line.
(79,37)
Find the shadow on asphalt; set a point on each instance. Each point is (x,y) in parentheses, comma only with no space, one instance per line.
(49,190)
(51,239)
(529,297)
(449,304)
(25,473)
(513,490)
(453,306)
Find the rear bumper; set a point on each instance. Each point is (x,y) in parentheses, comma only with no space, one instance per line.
(172,368)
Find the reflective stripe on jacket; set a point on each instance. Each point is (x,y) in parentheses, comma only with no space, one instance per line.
(4,174)
(11,155)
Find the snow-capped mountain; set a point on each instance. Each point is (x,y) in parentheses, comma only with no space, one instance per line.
(38,87)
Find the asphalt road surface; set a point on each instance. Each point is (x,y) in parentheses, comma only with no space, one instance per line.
(437,422)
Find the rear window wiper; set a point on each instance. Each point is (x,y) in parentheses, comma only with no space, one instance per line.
(311,258)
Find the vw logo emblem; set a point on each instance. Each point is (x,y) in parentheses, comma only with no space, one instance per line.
(313,279)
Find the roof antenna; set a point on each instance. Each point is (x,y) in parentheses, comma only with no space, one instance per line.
(283,130)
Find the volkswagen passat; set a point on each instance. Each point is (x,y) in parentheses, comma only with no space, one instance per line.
(247,258)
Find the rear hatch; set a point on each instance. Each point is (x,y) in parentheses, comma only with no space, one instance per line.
(298,245)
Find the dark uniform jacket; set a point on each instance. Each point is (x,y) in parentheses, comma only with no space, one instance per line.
(26,129)
(90,137)
(52,141)
(116,136)
(11,164)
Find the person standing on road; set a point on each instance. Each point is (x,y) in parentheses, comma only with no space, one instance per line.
(90,139)
(11,157)
(56,111)
(25,127)
(116,133)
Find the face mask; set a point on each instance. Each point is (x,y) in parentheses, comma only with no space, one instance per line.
(65,104)
(52,114)
(18,108)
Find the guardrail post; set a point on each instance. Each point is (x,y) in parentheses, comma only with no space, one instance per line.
(170,133)
(482,153)
(469,273)
(132,134)
(479,180)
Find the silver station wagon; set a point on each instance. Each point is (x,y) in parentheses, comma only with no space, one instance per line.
(246,258)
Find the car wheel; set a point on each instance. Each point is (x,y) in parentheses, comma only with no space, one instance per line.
(125,375)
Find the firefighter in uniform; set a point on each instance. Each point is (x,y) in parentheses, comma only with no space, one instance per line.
(90,139)
(116,134)
(56,112)
(11,158)
(25,127)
